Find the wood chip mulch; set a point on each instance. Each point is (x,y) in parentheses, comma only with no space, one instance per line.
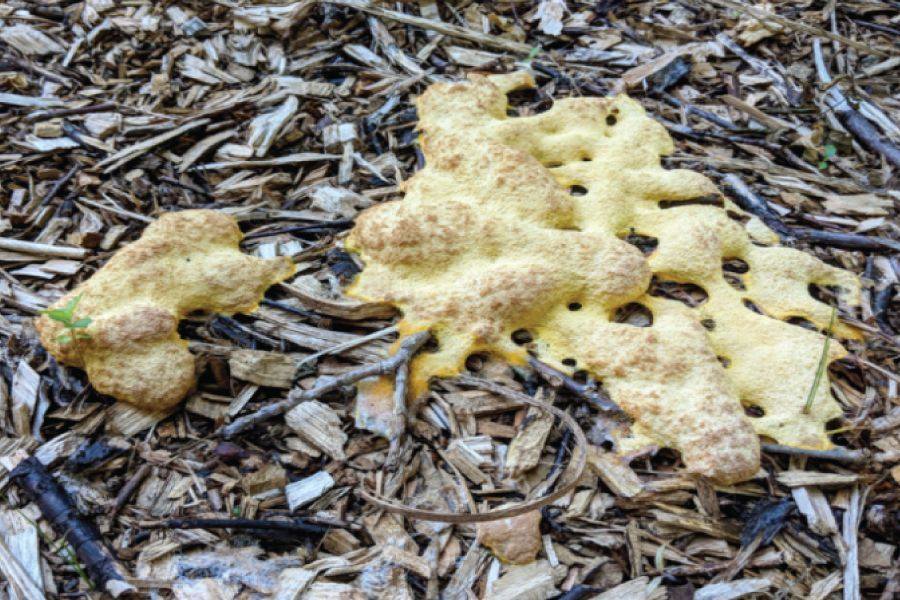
(295,116)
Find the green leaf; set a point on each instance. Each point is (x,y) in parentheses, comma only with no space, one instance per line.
(57,314)
(70,307)
(81,323)
(82,336)
(830,150)
(823,165)
(534,52)
(64,339)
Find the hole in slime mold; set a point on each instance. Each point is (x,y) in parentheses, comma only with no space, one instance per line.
(634,314)
(754,411)
(522,337)
(732,269)
(837,430)
(611,120)
(573,306)
(825,294)
(710,324)
(726,362)
(736,216)
(645,243)
(687,293)
(569,362)
(752,306)
(802,322)
(475,362)
(735,265)
(578,190)
(710,200)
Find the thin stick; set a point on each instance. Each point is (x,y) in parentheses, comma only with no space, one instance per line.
(59,183)
(398,420)
(408,347)
(130,488)
(42,249)
(836,454)
(823,362)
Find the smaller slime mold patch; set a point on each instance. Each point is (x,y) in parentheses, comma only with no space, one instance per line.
(184,262)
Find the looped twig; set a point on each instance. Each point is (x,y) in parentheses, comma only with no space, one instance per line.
(573,471)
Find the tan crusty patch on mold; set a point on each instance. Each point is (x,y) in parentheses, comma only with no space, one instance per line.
(184,262)
(489,240)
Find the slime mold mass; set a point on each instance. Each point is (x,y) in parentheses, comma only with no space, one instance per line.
(184,262)
(515,221)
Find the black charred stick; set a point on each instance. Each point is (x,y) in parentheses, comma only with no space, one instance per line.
(851,241)
(58,508)
(753,204)
(704,135)
(293,525)
(867,134)
(880,303)
(302,312)
(861,128)
(691,109)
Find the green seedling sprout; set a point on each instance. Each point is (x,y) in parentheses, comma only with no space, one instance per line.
(531,55)
(66,316)
(823,363)
(830,151)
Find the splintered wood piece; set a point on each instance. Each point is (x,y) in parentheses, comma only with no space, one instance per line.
(24,397)
(613,471)
(732,589)
(319,425)
(526,448)
(533,581)
(20,535)
(271,476)
(42,249)
(813,478)
(813,505)
(515,540)
(269,369)
(302,492)
(850,534)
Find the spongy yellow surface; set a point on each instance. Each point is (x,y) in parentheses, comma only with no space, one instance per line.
(184,262)
(490,239)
